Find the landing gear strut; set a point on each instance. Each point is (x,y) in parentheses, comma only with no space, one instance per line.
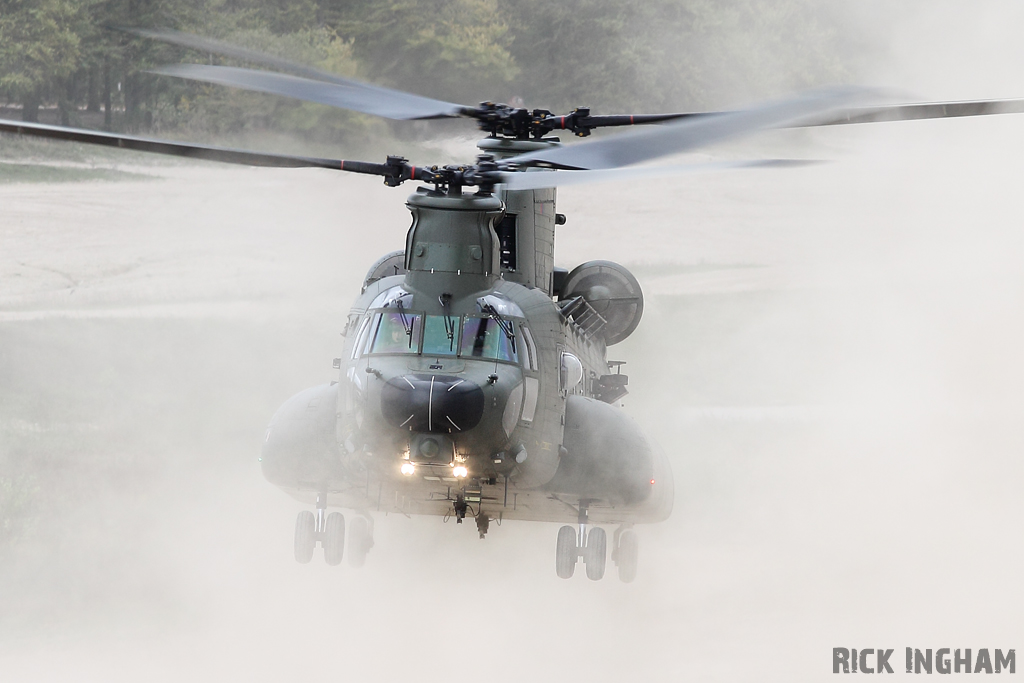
(592,547)
(329,531)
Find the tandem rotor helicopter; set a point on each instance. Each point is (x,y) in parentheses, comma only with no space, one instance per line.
(474,378)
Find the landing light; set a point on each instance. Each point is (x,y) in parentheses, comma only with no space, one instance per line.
(408,468)
(460,471)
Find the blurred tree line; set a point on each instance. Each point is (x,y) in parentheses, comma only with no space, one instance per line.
(650,55)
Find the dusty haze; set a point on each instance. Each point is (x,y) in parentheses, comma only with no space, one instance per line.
(831,355)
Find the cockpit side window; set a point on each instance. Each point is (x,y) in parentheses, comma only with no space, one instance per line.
(531,350)
(396,332)
(440,335)
(485,338)
(360,343)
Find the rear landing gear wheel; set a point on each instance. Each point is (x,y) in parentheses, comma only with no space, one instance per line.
(305,536)
(566,552)
(360,540)
(627,554)
(334,538)
(595,554)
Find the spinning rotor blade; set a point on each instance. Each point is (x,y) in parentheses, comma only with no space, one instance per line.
(182,149)
(926,110)
(689,133)
(501,119)
(539,180)
(391,104)
(228,50)
(574,122)
(372,99)
(876,114)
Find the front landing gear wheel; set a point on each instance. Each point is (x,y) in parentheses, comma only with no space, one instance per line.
(334,538)
(565,552)
(626,557)
(360,540)
(595,554)
(305,536)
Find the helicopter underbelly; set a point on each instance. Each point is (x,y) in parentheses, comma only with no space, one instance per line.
(607,462)
(420,498)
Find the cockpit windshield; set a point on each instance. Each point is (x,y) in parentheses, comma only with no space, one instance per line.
(489,338)
(396,332)
(440,335)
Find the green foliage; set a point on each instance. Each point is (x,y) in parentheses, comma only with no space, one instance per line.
(40,44)
(216,113)
(763,48)
(664,55)
(449,49)
(650,56)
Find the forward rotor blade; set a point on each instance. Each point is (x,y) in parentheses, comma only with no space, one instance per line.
(539,180)
(689,133)
(182,149)
(391,104)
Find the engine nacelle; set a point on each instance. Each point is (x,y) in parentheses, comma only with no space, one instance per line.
(612,292)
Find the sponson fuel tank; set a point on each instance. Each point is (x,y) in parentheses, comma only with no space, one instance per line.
(301,445)
(608,458)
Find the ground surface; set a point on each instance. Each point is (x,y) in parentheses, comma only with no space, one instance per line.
(830,355)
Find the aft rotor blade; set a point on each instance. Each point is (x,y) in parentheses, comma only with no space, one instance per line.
(209,45)
(689,133)
(183,149)
(878,114)
(413,106)
(540,179)
(925,110)
(391,104)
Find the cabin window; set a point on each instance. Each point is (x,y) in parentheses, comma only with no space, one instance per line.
(489,338)
(440,335)
(396,332)
(570,372)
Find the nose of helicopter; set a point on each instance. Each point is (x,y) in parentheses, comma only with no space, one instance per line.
(432,403)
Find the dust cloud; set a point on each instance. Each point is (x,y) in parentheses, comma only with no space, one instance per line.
(830,355)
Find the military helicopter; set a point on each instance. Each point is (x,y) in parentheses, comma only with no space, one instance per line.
(474,378)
